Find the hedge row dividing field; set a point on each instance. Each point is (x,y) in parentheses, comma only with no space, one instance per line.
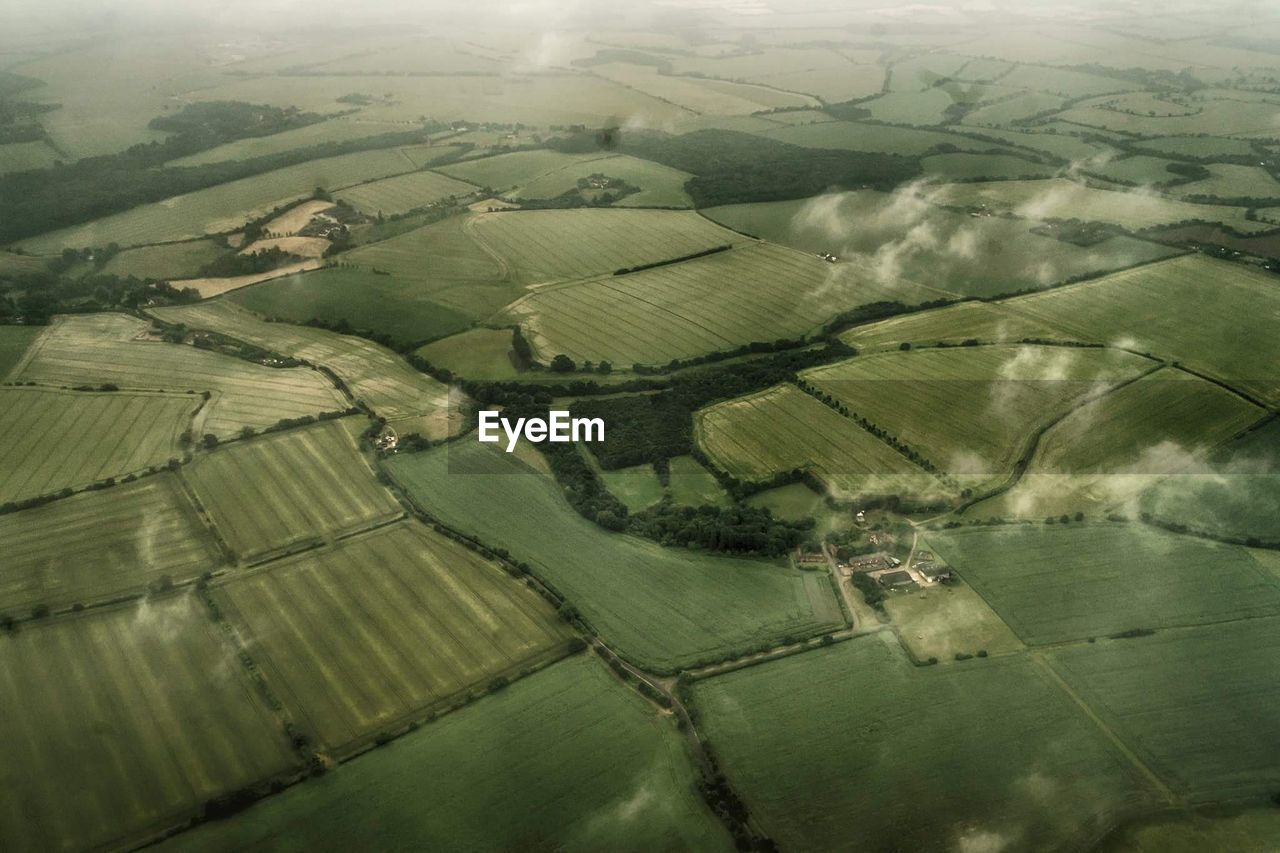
(1054,583)
(660,607)
(70,439)
(971,410)
(366,633)
(281,490)
(131,718)
(833,744)
(97,545)
(91,349)
(782,428)
(566,759)
(409,400)
(988,322)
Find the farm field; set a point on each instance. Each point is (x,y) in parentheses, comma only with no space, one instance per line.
(409,400)
(987,167)
(1226,336)
(943,621)
(994,398)
(986,322)
(568,756)
(507,172)
(1210,829)
(211,287)
(315,481)
(96,545)
(225,207)
(693,485)
(1231,181)
(379,303)
(878,138)
(1219,682)
(165,261)
(395,592)
(660,186)
(71,439)
(783,428)
(403,193)
(333,130)
(820,743)
(699,96)
(661,608)
(475,354)
(131,719)
(91,349)
(1054,583)
(638,487)
(14,341)
(21,156)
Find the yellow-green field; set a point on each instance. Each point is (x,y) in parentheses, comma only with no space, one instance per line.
(403,193)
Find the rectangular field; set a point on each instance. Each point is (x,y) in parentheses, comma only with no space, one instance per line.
(403,193)
(14,341)
(833,744)
(660,186)
(1201,706)
(663,608)
(91,349)
(277,491)
(418,620)
(783,428)
(130,719)
(505,172)
(68,439)
(1054,583)
(96,545)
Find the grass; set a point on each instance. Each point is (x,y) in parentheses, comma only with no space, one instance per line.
(693,485)
(971,410)
(403,193)
(1218,683)
(314,480)
(379,303)
(97,435)
(475,354)
(388,595)
(131,719)
(637,487)
(944,620)
(14,341)
(568,759)
(831,744)
(1054,583)
(660,186)
(91,349)
(661,608)
(97,545)
(409,400)
(783,428)
(165,261)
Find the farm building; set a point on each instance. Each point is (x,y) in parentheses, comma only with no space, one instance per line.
(898,578)
(934,573)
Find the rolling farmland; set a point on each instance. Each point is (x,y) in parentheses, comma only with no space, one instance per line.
(70,439)
(506,172)
(315,481)
(409,400)
(783,428)
(567,757)
(131,719)
(823,744)
(90,349)
(14,341)
(986,322)
(422,620)
(1054,583)
(166,261)
(661,608)
(403,193)
(660,186)
(96,545)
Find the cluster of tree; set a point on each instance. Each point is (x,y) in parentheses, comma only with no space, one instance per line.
(234,264)
(34,297)
(204,124)
(713,250)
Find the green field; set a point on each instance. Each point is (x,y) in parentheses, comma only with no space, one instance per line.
(971,410)
(333,130)
(91,349)
(942,621)
(698,96)
(21,156)
(506,172)
(403,193)
(877,138)
(314,480)
(984,167)
(1232,181)
(829,748)
(365,300)
(1010,110)
(986,322)
(97,545)
(409,400)
(660,186)
(568,760)
(693,485)
(661,608)
(14,341)
(391,595)
(165,261)
(70,439)
(475,354)
(1198,146)
(1197,705)
(1054,583)
(783,428)
(131,719)
(638,487)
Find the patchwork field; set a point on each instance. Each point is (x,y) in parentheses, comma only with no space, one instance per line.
(698,96)
(568,757)
(986,322)
(942,621)
(409,400)
(660,186)
(70,439)
(506,172)
(14,341)
(397,593)
(830,744)
(96,545)
(166,261)
(984,167)
(877,138)
(403,193)
(333,130)
(661,608)
(1200,705)
(783,428)
(971,411)
(475,354)
(91,349)
(314,480)
(131,719)
(1054,583)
